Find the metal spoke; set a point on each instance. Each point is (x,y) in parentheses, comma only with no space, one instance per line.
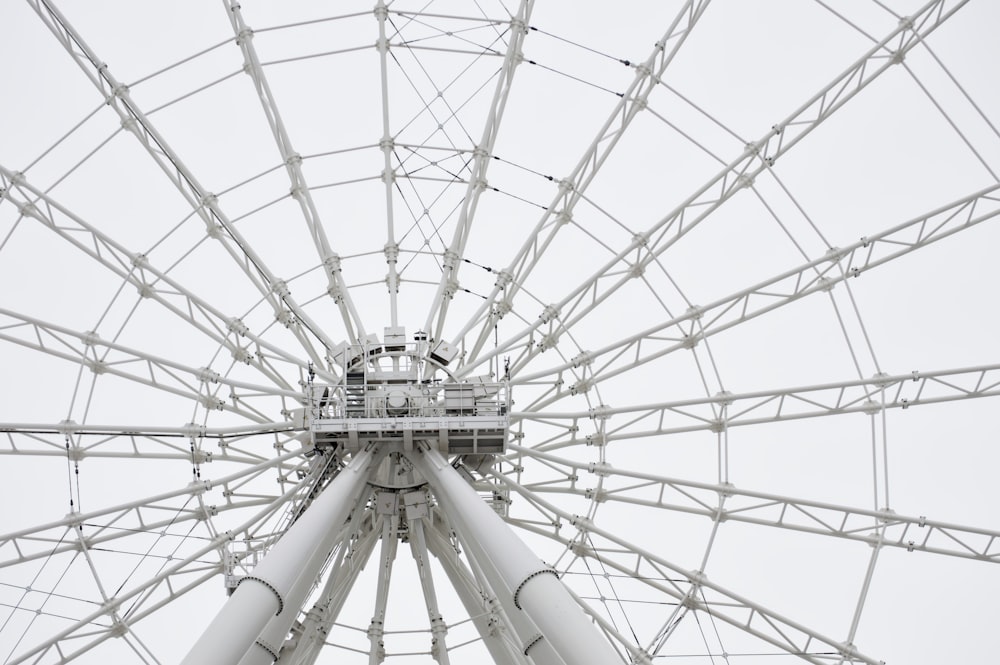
(525,405)
(136,269)
(162,582)
(480,165)
(103,357)
(878,528)
(293,166)
(740,173)
(732,608)
(816,276)
(572,188)
(727,410)
(204,203)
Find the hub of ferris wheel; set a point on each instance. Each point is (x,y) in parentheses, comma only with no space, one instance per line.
(396,393)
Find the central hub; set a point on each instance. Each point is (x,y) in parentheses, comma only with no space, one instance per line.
(397,393)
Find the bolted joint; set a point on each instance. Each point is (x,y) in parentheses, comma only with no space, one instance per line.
(391,251)
(242,355)
(29,210)
(130,125)
(600,412)
(332,263)
(212,403)
(206,375)
(871,407)
(724,398)
(835,254)
(237,326)
(67,427)
(881,379)
(549,313)
(279,288)
(392,285)
(194,430)
(504,278)
(548,342)
(199,456)
(601,469)
(284,317)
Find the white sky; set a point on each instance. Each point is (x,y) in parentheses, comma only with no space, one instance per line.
(918,138)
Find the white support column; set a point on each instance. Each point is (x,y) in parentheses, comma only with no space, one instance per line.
(529,637)
(262,595)
(316,625)
(267,647)
(479,601)
(418,547)
(376,630)
(535,587)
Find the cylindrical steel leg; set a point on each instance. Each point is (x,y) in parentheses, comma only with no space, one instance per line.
(536,589)
(262,594)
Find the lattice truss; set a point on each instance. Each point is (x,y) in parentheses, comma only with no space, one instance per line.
(715,272)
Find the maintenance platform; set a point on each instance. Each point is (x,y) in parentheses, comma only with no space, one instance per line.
(398,392)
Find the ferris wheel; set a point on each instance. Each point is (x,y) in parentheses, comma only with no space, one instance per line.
(499,331)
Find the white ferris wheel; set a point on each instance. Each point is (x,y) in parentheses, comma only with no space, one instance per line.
(510,331)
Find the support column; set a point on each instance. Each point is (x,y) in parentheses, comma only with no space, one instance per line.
(477,599)
(262,594)
(268,645)
(529,637)
(376,630)
(316,626)
(418,547)
(535,587)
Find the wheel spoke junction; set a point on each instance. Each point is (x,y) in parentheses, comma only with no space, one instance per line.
(432,331)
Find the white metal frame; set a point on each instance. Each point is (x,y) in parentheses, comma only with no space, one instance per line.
(352,488)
